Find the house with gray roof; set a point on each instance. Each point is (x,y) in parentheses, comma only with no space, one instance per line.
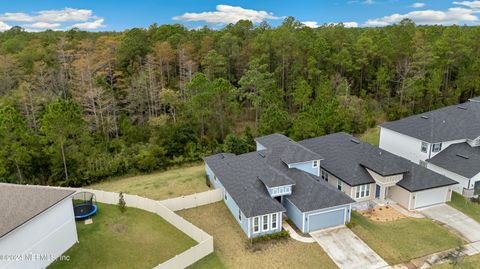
(37,225)
(445,140)
(315,182)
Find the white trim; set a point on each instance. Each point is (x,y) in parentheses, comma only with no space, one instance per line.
(276,221)
(248,227)
(259,225)
(263,224)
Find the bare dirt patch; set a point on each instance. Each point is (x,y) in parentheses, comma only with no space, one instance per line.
(382,214)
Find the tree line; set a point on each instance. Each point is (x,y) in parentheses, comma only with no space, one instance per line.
(78,107)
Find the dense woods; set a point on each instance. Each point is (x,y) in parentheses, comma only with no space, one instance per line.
(77,107)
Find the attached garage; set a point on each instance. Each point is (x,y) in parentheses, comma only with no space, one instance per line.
(326,218)
(431,197)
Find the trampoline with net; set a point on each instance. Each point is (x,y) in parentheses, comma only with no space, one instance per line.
(84,205)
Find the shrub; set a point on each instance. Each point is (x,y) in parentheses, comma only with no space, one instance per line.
(121,202)
(281,234)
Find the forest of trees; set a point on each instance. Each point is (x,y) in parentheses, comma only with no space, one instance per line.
(77,107)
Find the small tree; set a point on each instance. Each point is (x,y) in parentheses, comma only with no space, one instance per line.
(121,202)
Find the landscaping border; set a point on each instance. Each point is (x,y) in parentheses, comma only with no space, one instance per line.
(166,209)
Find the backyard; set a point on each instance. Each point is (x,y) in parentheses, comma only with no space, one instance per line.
(233,250)
(404,239)
(466,206)
(160,185)
(133,239)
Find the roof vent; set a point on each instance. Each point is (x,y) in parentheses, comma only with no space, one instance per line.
(222,156)
(425,117)
(261,154)
(355,141)
(462,107)
(463,156)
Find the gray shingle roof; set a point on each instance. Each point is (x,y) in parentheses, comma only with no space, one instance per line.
(459,158)
(20,203)
(294,152)
(245,176)
(444,124)
(347,157)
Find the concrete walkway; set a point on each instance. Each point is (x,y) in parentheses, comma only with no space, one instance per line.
(295,235)
(408,213)
(347,250)
(454,220)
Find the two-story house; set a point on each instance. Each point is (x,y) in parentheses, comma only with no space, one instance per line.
(445,140)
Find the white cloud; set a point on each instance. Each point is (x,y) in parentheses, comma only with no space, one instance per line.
(42,25)
(454,15)
(54,19)
(314,24)
(4,26)
(470,4)
(90,25)
(418,5)
(225,14)
(311,24)
(369,2)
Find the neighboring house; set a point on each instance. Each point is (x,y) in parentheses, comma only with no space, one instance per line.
(37,225)
(316,181)
(445,140)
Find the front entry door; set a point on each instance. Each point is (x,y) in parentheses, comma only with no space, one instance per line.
(377,191)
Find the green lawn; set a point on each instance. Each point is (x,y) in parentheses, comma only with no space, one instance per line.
(232,249)
(372,136)
(161,185)
(404,239)
(468,208)
(133,239)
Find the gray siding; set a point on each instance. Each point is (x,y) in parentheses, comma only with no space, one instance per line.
(293,213)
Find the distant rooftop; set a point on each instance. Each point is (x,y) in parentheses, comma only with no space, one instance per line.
(20,203)
(459,158)
(445,124)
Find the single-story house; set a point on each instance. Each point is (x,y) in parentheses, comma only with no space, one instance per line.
(315,182)
(423,138)
(37,225)
(365,172)
(281,177)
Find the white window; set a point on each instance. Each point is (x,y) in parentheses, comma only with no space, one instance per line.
(275,190)
(282,190)
(362,191)
(287,189)
(315,164)
(274,221)
(437,147)
(239,214)
(339,185)
(265,223)
(324,175)
(256,224)
(424,147)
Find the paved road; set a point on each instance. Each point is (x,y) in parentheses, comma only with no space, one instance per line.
(455,220)
(347,250)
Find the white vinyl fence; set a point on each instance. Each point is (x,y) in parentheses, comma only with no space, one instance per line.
(166,209)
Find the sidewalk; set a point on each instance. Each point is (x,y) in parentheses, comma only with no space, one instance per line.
(295,235)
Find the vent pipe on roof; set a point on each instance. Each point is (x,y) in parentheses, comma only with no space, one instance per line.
(355,141)
(462,107)
(425,117)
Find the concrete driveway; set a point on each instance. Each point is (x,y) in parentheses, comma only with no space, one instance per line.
(347,250)
(454,220)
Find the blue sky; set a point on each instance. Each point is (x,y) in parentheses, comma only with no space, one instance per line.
(103,15)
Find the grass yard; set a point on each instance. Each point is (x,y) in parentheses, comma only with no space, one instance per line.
(470,262)
(232,246)
(466,206)
(161,185)
(372,136)
(404,239)
(133,239)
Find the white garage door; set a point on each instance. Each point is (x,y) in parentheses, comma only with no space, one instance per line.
(431,197)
